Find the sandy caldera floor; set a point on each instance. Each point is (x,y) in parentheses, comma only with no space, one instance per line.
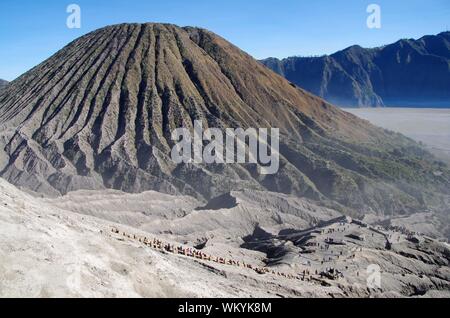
(428,125)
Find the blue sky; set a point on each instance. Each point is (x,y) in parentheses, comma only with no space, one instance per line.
(31,31)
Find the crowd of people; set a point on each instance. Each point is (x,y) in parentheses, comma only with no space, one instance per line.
(161,246)
(403,230)
(304,275)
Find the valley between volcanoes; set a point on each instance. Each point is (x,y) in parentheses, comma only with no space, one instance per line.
(84,149)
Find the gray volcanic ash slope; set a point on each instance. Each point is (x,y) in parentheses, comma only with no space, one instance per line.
(99,114)
(406,73)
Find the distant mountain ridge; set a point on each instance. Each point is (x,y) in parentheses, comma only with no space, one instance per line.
(409,72)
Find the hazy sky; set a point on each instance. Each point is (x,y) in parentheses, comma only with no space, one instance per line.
(31,31)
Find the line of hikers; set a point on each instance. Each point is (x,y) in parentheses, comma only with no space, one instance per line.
(190,252)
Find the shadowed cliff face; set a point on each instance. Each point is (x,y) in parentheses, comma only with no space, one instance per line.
(405,73)
(100,112)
